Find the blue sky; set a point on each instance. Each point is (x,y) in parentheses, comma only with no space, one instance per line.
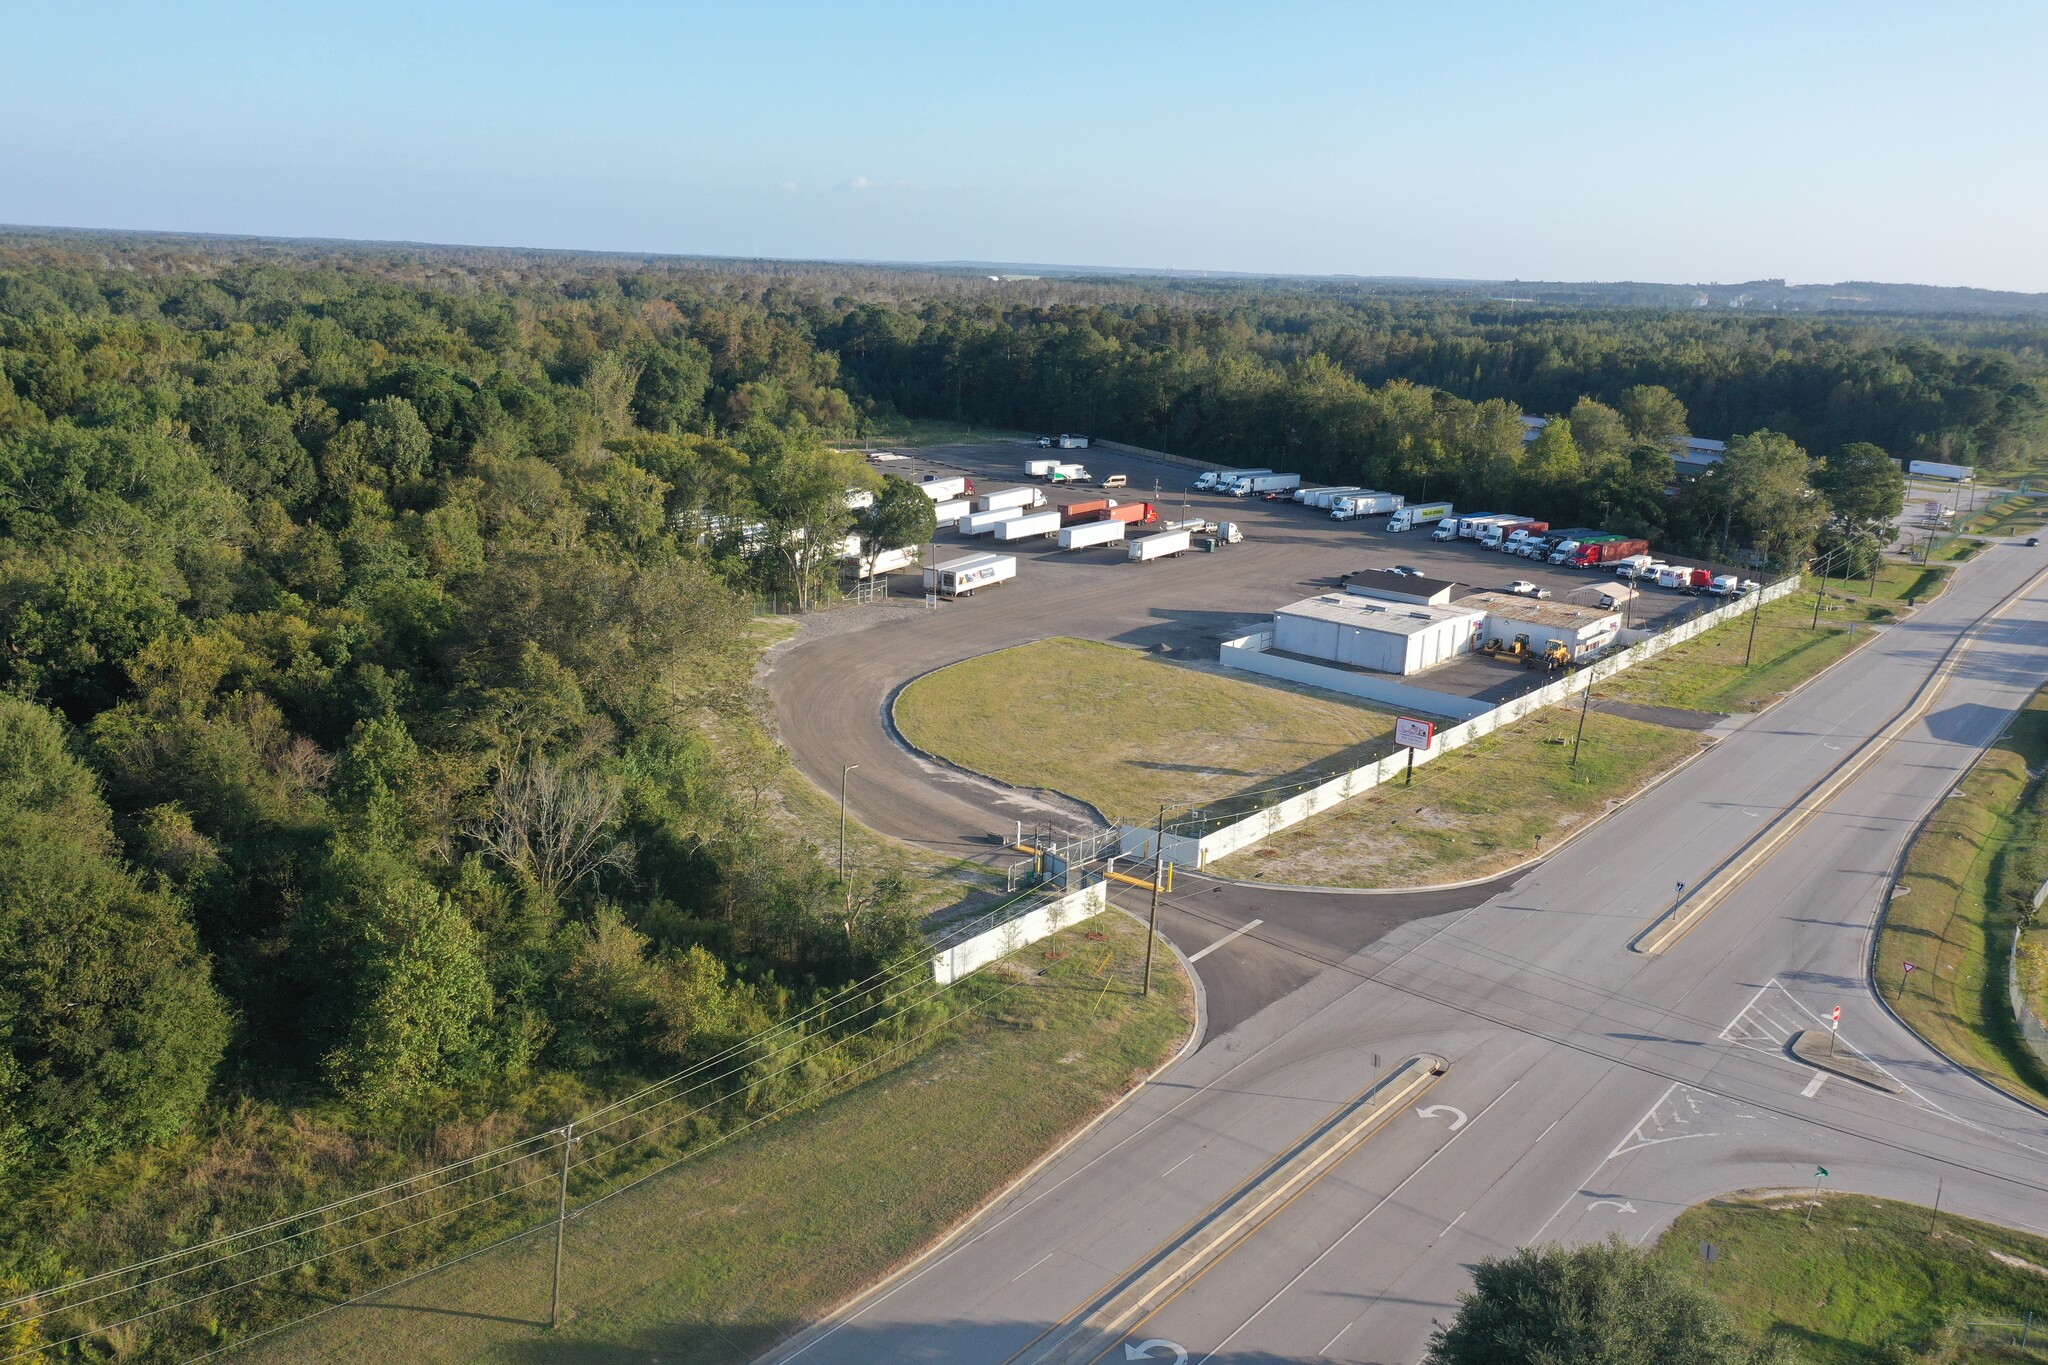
(1815,141)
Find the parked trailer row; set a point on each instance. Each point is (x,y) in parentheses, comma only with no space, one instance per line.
(1365,503)
(982,523)
(1264,483)
(960,577)
(1221,479)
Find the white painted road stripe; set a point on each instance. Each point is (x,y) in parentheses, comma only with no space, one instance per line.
(1235,933)
(1813,1086)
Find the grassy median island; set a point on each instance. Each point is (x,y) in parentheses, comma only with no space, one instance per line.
(1706,673)
(1867,1282)
(736,1248)
(1474,811)
(1970,875)
(1124,732)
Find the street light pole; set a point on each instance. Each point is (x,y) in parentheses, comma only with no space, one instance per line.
(1158,876)
(1750,653)
(1585,705)
(842,818)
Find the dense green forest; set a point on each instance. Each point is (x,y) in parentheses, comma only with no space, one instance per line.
(377,735)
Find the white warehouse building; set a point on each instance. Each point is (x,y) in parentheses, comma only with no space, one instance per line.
(1387,637)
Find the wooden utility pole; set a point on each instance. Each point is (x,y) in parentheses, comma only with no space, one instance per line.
(1158,876)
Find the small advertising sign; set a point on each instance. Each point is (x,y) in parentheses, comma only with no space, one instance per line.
(1414,734)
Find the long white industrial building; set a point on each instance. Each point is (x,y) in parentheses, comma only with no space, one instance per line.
(1388,637)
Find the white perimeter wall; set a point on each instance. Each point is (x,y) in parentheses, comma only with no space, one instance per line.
(971,955)
(1248,653)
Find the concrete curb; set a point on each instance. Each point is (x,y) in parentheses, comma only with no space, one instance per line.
(792,1346)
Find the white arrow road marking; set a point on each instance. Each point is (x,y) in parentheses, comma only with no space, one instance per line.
(1233,934)
(1618,1205)
(1143,1350)
(1438,1110)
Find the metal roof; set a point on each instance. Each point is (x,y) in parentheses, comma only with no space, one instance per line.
(1367,613)
(1407,584)
(1538,613)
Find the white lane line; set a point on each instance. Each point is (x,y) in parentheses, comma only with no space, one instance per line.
(1033,1266)
(1225,1343)
(1453,1223)
(1746,1008)
(1233,934)
(1334,1340)
(1813,1086)
(1178,1164)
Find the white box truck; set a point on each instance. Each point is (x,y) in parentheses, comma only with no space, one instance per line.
(1029,524)
(1366,503)
(1038,469)
(1083,535)
(1011,497)
(951,510)
(1069,473)
(960,577)
(1323,499)
(981,523)
(1220,479)
(1418,514)
(939,490)
(1934,469)
(1166,544)
(1448,527)
(1264,483)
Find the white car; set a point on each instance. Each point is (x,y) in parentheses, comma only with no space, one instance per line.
(1522,587)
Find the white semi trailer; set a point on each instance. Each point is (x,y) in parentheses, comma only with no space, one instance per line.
(951,510)
(1166,544)
(1084,535)
(1264,483)
(1011,497)
(1029,524)
(1220,479)
(889,561)
(939,490)
(1323,499)
(981,523)
(960,577)
(1366,503)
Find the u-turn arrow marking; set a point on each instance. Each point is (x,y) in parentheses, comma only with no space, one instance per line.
(1143,1350)
(1458,1119)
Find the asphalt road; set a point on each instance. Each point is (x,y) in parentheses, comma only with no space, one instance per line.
(1591,1088)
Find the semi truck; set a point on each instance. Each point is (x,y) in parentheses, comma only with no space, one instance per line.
(1447,528)
(1087,534)
(1011,497)
(1133,513)
(1366,503)
(960,577)
(981,523)
(1934,469)
(1264,483)
(1499,535)
(1223,478)
(1593,554)
(1567,550)
(1029,524)
(1164,545)
(1475,528)
(1418,514)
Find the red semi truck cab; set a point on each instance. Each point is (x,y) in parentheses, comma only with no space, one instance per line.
(1599,552)
(1141,513)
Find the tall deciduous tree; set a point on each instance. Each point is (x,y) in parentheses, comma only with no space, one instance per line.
(1765,480)
(900,517)
(1653,413)
(1864,486)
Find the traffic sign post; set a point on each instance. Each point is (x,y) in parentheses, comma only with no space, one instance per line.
(1820,1173)
(1905,977)
(1834,1028)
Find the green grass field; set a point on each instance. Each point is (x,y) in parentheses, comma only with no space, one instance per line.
(1473,811)
(729,1252)
(913,433)
(1955,922)
(1871,1281)
(1706,673)
(2018,514)
(1124,732)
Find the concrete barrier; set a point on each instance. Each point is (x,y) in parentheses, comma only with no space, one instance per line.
(972,954)
(1249,654)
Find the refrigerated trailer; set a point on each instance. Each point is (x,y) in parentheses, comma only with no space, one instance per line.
(1046,523)
(981,523)
(1221,479)
(1366,503)
(1165,545)
(1088,534)
(960,577)
(1264,483)
(1418,514)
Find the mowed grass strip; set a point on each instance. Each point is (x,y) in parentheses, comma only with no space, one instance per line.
(1124,732)
(1963,898)
(1706,673)
(1475,810)
(1872,1279)
(733,1250)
